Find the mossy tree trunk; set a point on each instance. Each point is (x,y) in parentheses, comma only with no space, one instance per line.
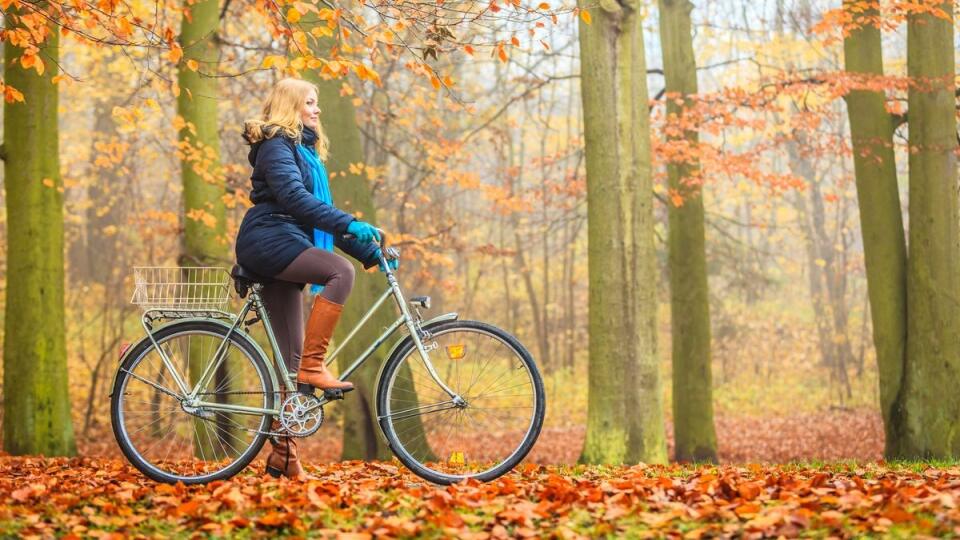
(36,401)
(351,193)
(204,222)
(929,402)
(881,222)
(625,410)
(694,432)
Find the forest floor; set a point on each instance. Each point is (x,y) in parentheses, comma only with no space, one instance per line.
(833,484)
(105,497)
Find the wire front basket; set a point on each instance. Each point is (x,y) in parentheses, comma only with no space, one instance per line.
(181,288)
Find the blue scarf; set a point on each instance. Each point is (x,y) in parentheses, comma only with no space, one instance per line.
(321,190)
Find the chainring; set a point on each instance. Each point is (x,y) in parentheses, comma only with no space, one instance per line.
(301,415)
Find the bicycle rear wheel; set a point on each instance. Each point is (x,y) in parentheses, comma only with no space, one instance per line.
(482,437)
(170,441)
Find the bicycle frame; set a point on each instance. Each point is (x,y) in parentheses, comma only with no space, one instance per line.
(255,303)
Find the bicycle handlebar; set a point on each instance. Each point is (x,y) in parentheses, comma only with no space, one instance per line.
(388,254)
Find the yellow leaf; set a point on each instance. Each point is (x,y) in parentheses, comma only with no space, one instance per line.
(275,60)
(585,15)
(293,15)
(193,65)
(321,31)
(175,54)
(544,5)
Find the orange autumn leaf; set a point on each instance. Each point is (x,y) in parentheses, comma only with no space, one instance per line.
(501,52)
(175,53)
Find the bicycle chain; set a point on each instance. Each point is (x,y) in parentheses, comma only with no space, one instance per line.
(238,393)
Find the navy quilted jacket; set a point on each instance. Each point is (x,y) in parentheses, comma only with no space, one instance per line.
(279,226)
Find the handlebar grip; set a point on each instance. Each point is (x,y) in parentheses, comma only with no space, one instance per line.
(382,243)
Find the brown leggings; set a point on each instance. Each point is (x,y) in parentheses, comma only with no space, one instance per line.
(284,299)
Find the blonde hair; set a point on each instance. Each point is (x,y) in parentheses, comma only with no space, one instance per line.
(281,113)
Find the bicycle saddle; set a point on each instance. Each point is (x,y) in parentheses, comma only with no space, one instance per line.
(243,279)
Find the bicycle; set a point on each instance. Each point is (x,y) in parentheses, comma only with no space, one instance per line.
(193,400)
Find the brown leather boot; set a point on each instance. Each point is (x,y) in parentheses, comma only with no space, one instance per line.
(313,368)
(283,460)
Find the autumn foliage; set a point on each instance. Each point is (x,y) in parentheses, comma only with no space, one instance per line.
(82,497)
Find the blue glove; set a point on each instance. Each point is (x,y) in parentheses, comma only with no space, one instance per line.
(392,263)
(364,232)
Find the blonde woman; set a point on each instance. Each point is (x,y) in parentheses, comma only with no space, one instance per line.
(288,236)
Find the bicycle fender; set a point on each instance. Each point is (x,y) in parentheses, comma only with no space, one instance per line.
(452,316)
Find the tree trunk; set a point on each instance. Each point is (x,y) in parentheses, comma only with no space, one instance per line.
(204,220)
(694,432)
(930,404)
(539,325)
(199,139)
(625,411)
(36,399)
(351,193)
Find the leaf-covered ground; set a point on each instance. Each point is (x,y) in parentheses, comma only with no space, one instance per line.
(88,497)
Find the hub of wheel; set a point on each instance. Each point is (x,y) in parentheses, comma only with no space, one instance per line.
(301,415)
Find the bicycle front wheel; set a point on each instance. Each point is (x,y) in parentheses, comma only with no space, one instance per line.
(484,433)
(171,440)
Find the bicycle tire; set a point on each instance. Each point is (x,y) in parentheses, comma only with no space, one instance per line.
(139,351)
(388,377)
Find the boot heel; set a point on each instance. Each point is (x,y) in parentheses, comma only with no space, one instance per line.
(305,388)
(273,471)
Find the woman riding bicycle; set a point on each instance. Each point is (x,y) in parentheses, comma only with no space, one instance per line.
(288,236)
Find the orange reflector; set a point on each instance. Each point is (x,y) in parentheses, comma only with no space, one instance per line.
(455,352)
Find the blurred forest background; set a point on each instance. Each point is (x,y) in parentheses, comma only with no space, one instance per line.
(471,148)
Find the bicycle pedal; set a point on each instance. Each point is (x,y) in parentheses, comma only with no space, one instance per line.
(335,393)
